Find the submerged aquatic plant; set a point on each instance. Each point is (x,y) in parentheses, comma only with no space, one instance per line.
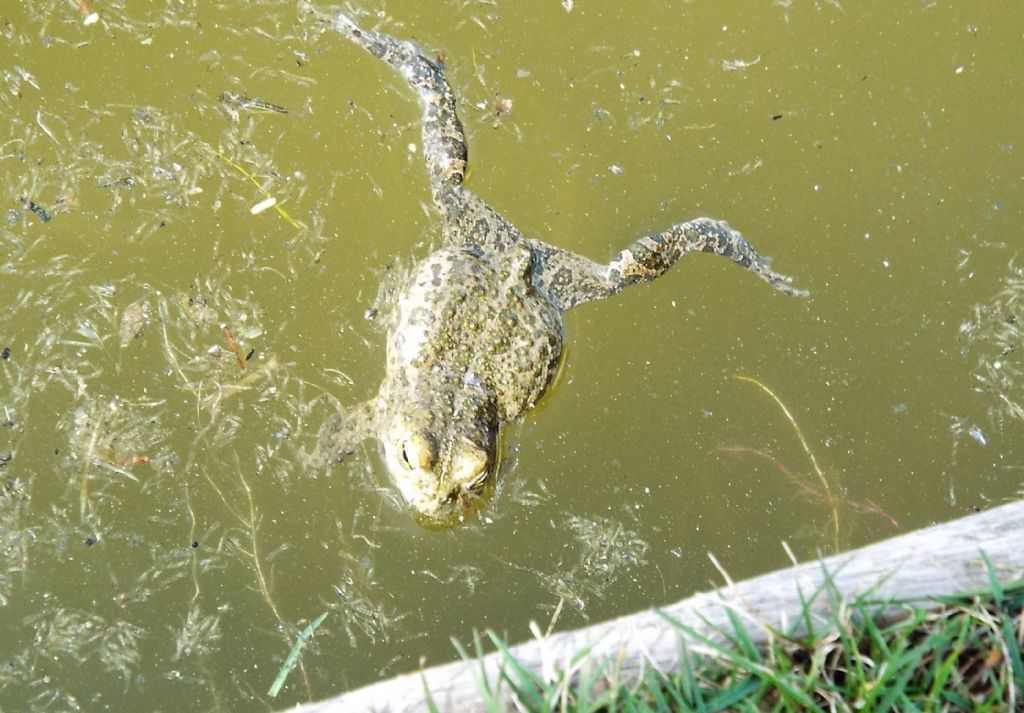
(605,550)
(994,335)
(817,487)
(75,635)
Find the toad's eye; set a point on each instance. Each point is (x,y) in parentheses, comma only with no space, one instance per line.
(417,452)
(406,462)
(479,481)
(469,468)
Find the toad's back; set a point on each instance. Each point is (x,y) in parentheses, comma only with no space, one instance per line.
(470,317)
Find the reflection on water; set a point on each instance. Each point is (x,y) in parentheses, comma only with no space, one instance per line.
(201,202)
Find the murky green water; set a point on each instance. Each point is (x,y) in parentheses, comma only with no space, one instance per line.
(162,539)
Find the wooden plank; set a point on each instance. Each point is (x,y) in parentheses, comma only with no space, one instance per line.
(942,560)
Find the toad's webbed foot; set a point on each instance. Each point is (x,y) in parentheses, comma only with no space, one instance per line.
(444,142)
(571,279)
(342,433)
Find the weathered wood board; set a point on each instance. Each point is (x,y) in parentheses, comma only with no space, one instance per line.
(938,561)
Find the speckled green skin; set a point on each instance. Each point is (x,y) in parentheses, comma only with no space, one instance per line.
(471,321)
(478,332)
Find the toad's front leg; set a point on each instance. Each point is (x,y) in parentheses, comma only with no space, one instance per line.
(341,433)
(572,279)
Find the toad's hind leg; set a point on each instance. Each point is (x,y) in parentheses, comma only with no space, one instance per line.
(444,143)
(572,279)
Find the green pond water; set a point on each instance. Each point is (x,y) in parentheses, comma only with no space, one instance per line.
(169,355)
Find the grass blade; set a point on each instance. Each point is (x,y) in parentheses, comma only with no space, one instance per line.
(293,656)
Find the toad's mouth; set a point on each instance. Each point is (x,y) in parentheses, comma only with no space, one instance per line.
(443,500)
(451,513)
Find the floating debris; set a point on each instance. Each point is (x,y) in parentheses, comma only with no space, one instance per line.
(233,345)
(263,205)
(134,319)
(199,634)
(252,178)
(240,101)
(43,214)
(975,433)
(992,334)
(733,65)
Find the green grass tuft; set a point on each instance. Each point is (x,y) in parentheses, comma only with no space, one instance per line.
(965,654)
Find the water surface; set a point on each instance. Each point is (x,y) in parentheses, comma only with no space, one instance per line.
(168,355)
